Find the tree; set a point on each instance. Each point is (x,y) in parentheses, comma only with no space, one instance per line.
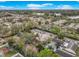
(77,51)
(77,30)
(46,14)
(47,53)
(31,53)
(40,47)
(55,29)
(29,25)
(61,35)
(11,42)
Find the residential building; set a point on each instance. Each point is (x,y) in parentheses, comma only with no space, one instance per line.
(69,46)
(43,35)
(17,55)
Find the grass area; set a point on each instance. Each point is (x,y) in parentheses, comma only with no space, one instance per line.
(60,32)
(47,53)
(10,53)
(77,51)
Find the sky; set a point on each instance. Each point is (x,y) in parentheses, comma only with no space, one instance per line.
(38,5)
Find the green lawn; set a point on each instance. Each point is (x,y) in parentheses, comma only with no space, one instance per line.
(10,53)
(77,51)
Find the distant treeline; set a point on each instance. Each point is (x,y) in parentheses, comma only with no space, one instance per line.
(63,12)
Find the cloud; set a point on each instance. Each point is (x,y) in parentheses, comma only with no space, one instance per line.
(77,1)
(6,7)
(2,6)
(38,6)
(47,4)
(64,7)
(34,8)
(34,5)
(2,1)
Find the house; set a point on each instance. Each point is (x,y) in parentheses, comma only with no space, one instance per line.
(2,41)
(72,25)
(3,51)
(1,20)
(73,17)
(76,26)
(39,14)
(3,47)
(69,46)
(51,45)
(59,22)
(57,14)
(65,48)
(17,55)
(43,35)
(1,54)
(7,24)
(54,44)
(30,49)
(6,51)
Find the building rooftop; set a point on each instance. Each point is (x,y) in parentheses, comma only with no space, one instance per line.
(42,35)
(70,45)
(17,55)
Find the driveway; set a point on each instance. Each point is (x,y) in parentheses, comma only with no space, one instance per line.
(63,54)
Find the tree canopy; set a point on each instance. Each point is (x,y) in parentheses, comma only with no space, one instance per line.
(47,53)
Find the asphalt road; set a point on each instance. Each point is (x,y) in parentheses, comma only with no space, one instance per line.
(63,54)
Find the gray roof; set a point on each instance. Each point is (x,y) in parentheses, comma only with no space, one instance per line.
(71,45)
(63,54)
